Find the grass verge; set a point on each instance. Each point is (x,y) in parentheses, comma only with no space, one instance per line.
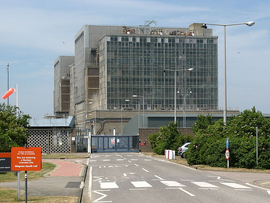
(31,175)
(64,156)
(180,160)
(10,195)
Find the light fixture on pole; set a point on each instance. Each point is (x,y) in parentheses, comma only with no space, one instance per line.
(250,23)
(7,82)
(175,88)
(127,100)
(138,96)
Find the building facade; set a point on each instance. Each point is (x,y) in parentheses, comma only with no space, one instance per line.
(126,71)
(62,85)
(146,65)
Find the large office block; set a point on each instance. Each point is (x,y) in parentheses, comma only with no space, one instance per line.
(142,71)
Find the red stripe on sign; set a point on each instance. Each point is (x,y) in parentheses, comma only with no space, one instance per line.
(5,155)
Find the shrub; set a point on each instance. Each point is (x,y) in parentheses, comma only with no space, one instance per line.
(209,143)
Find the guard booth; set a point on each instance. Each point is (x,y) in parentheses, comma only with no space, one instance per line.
(111,143)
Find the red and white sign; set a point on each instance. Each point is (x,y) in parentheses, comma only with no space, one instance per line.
(26,159)
(227,154)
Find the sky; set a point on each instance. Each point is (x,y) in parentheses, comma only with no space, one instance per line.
(34,33)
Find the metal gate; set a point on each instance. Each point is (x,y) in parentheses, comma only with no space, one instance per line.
(81,140)
(111,143)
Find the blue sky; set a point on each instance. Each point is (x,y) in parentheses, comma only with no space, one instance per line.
(34,33)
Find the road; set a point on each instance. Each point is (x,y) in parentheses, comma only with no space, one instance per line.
(132,177)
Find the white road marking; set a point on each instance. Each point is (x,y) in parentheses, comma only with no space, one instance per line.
(141,184)
(147,160)
(93,160)
(108,185)
(204,185)
(268,191)
(236,186)
(106,160)
(133,159)
(126,174)
(187,192)
(172,183)
(145,170)
(102,195)
(136,164)
(90,184)
(158,177)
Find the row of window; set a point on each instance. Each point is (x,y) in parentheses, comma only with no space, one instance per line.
(191,40)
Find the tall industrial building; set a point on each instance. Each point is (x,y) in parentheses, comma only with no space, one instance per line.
(119,71)
(62,85)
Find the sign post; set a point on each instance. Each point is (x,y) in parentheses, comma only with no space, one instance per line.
(26,159)
(227,153)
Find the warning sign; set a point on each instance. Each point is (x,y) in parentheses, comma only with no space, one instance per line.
(26,159)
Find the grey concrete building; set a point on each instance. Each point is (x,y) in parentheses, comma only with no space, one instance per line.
(62,85)
(118,73)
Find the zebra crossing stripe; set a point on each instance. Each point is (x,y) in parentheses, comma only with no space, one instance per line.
(172,183)
(141,184)
(204,185)
(108,185)
(236,186)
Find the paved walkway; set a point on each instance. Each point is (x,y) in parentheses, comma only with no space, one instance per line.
(64,180)
(65,167)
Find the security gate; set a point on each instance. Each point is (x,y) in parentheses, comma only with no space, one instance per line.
(110,143)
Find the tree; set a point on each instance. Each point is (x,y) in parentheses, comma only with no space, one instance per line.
(168,137)
(208,146)
(13,129)
(202,122)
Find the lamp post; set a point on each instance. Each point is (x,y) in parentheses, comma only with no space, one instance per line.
(175,88)
(138,96)
(127,100)
(7,81)
(250,23)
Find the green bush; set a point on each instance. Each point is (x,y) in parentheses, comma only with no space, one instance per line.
(209,145)
(168,137)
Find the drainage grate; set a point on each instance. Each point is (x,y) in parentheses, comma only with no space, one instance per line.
(73,185)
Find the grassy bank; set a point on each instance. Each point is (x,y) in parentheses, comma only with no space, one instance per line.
(10,195)
(31,175)
(65,156)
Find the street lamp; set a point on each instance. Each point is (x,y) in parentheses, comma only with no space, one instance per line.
(175,88)
(127,100)
(138,96)
(250,23)
(7,81)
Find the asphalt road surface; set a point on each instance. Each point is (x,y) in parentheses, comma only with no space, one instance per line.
(133,178)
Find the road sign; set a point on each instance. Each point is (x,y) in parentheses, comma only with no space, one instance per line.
(227,143)
(26,159)
(227,154)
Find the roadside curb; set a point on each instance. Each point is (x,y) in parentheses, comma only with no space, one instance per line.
(84,174)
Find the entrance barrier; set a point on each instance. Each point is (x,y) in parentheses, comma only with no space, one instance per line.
(111,143)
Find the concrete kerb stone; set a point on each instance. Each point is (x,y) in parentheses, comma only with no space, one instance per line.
(84,173)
